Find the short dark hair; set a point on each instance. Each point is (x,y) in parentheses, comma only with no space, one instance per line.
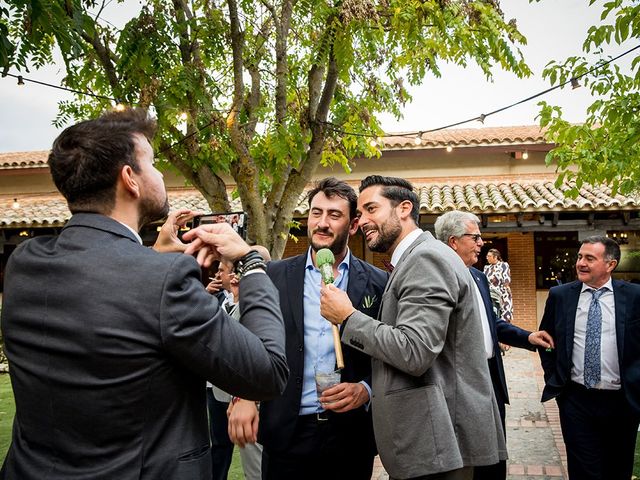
(86,158)
(395,189)
(333,187)
(611,247)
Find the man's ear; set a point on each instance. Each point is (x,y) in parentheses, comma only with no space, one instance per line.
(353,226)
(129,182)
(406,207)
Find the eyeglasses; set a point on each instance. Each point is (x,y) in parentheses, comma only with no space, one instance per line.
(474,236)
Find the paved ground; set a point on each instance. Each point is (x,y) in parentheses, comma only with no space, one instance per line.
(536,448)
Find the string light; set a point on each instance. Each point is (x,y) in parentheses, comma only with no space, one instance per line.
(16,204)
(525,155)
(449,149)
(418,140)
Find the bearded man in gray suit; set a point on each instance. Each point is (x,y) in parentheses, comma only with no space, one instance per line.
(434,412)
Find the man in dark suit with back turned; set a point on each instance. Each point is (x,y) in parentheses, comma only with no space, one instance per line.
(109,342)
(594,371)
(302,437)
(461,231)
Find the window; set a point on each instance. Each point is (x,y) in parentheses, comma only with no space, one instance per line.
(556,255)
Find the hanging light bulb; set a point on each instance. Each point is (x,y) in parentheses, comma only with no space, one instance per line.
(449,149)
(575,83)
(16,204)
(20,80)
(525,155)
(418,139)
(481,118)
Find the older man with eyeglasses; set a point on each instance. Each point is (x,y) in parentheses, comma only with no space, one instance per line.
(461,231)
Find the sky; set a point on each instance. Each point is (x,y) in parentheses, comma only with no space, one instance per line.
(555,29)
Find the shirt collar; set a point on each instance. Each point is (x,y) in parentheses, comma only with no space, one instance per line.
(137,235)
(606,286)
(404,244)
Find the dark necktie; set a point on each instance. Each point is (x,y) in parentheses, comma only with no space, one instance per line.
(228,307)
(592,341)
(387,264)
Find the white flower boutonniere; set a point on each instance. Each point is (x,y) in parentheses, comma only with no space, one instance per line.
(369,301)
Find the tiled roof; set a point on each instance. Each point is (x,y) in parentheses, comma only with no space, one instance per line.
(467,137)
(535,195)
(490,136)
(36,159)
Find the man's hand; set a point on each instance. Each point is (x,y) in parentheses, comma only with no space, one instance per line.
(344,397)
(215,285)
(335,305)
(243,419)
(213,241)
(168,240)
(542,339)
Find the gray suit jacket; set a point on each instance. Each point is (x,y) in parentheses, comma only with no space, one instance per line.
(109,346)
(433,404)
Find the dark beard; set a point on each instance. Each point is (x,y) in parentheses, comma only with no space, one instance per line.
(151,211)
(388,233)
(338,245)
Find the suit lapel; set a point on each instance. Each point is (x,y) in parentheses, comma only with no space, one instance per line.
(422,238)
(358,279)
(485,296)
(572,308)
(620,300)
(295,292)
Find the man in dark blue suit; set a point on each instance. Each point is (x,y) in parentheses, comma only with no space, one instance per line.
(461,232)
(594,371)
(305,437)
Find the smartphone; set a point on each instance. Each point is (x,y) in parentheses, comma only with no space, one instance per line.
(237,220)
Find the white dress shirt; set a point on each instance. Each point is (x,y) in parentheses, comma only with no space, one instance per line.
(486,332)
(609,367)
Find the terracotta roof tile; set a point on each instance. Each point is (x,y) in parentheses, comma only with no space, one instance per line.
(526,134)
(35,159)
(518,135)
(435,198)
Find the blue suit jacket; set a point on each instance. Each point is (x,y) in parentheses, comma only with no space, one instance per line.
(501,331)
(559,320)
(278,416)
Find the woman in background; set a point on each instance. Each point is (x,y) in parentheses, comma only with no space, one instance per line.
(499,276)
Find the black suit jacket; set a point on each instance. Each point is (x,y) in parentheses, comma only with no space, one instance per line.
(109,346)
(501,331)
(278,416)
(559,320)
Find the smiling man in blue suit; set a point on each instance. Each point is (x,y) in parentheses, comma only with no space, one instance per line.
(594,372)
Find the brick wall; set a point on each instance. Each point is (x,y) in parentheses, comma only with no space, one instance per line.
(523,280)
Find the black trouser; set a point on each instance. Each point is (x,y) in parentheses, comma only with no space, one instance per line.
(221,445)
(319,451)
(599,430)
